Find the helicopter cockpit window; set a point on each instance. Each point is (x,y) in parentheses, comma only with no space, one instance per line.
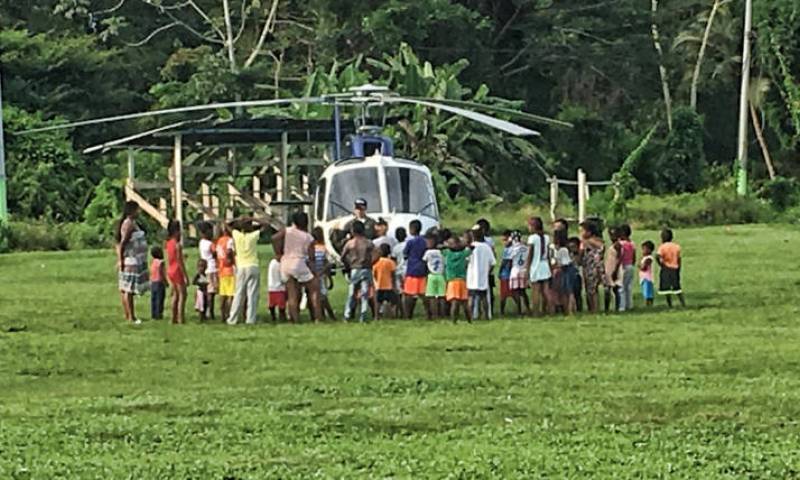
(410,191)
(348,185)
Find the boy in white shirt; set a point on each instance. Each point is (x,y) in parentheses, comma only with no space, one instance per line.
(277,290)
(479,270)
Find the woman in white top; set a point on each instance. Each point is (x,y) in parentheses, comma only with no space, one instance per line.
(538,264)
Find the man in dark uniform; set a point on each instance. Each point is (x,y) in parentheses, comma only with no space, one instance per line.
(340,236)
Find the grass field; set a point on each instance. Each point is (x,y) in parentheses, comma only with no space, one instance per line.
(709,391)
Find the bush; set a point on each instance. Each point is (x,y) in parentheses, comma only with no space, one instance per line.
(5,233)
(83,235)
(717,206)
(30,236)
(781,192)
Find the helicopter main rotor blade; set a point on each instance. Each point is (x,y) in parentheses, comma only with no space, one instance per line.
(496,123)
(168,111)
(506,111)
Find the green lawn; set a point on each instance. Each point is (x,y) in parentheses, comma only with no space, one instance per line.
(710,391)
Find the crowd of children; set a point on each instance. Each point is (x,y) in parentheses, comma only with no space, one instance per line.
(451,274)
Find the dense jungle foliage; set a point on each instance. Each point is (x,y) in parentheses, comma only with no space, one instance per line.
(651,87)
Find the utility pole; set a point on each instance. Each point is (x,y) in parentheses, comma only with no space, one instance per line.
(741,177)
(3,201)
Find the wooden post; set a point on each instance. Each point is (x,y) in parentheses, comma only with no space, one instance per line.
(256,186)
(215,206)
(581,195)
(162,206)
(285,164)
(131,169)
(306,189)
(177,161)
(205,199)
(278,184)
(553,197)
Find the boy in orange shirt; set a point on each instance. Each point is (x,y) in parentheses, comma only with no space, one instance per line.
(383,275)
(225,267)
(669,259)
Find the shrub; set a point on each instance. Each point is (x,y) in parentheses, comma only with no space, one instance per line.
(32,235)
(781,192)
(715,206)
(681,166)
(83,235)
(5,233)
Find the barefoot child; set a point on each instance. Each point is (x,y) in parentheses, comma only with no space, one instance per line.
(613,270)
(383,276)
(322,268)
(479,271)
(357,261)
(435,288)
(504,272)
(200,281)
(416,271)
(627,263)
(646,273)
(518,276)
(565,272)
(176,271)
(158,288)
(209,254)
(456,258)
(276,290)
(669,259)
(225,268)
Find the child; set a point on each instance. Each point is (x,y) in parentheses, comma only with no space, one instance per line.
(538,265)
(322,268)
(276,290)
(383,275)
(435,288)
(646,272)
(591,260)
(158,275)
(176,271)
(415,282)
(487,238)
(518,279)
(479,271)
(627,262)
(357,260)
(565,272)
(613,270)
(456,258)
(669,259)
(574,245)
(201,282)
(504,273)
(208,253)
(225,270)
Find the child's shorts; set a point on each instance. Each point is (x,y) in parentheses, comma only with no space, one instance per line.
(457,290)
(414,286)
(648,290)
(227,286)
(436,286)
(505,291)
(389,296)
(670,281)
(277,300)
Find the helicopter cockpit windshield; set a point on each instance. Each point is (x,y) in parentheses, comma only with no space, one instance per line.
(410,191)
(348,185)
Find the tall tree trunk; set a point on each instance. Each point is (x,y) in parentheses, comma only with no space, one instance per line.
(229,35)
(761,141)
(702,53)
(662,70)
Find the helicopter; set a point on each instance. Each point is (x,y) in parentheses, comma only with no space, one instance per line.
(364,166)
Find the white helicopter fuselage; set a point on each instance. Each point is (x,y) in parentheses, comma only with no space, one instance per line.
(396,190)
